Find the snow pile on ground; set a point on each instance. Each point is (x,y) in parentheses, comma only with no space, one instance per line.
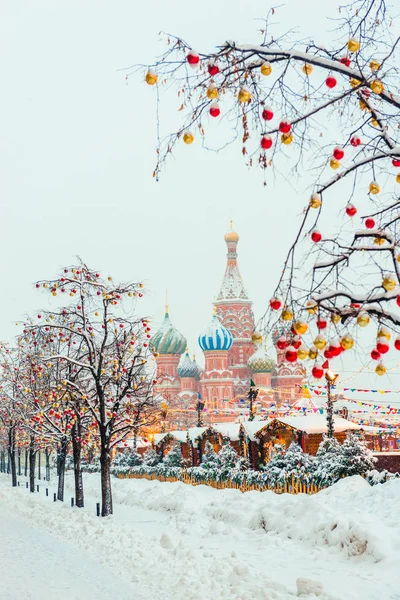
(173,541)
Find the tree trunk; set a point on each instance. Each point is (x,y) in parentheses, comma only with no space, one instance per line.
(32,464)
(39,466)
(76,450)
(47,453)
(11,456)
(2,462)
(26,463)
(19,461)
(105,463)
(61,468)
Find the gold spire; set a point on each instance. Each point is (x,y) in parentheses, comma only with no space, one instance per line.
(231,236)
(215,311)
(166,302)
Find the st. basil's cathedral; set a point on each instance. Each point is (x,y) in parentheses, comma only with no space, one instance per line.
(232,359)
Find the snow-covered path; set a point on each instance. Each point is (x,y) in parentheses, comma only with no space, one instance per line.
(169,541)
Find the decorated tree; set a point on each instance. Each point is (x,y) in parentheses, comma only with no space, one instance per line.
(10,414)
(285,463)
(104,346)
(210,459)
(329,113)
(151,458)
(355,458)
(174,457)
(328,460)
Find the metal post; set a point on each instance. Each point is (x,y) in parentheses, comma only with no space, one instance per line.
(47,491)
(37,488)
(54,497)
(98,508)
(72,502)
(27,485)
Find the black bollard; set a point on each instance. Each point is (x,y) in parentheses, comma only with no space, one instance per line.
(37,488)
(47,491)
(55,497)
(98,508)
(26,485)
(18,483)
(72,502)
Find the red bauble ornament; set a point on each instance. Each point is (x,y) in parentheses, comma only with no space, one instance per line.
(317,372)
(328,354)
(282,343)
(355,141)
(284,127)
(369,223)
(398,300)
(291,354)
(193,58)
(397,343)
(316,236)
(351,210)
(215,110)
(382,346)
(275,303)
(266,142)
(345,61)
(296,342)
(338,153)
(213,69)
(396,162)
(321,324)
(267,114)
(330,82)
(366,92)
(335,350)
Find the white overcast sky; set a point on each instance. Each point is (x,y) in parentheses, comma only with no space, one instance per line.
(77,151)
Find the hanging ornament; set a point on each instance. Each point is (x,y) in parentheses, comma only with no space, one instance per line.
(396,162)
(354,82)
(375,355)
(363,105)
(338,153)
(315,200)
(330,82)
(317,372)
(212,92)
(377,86)
(193,58)
(286,138)
(334,164)
(374,65)
(267,114)
(300,327)
(188,137)
(256,337)
(320,342)
(302,352)
(374,122)
(398,300)
(363,319)
(379,241)
(316,236)
(313,353)
(282,343)
(398,178)
(266,68)
(351,210)
(345,61)
(287,314)
(389,282)
(382,345)
(215,110)
(335,318)
(275,303)
(151,77)
(296,342)
(266,142)
(284,126)
(307,69)
(380,369)
(397,342)
(355,141)
(213,68)
(369,223)
(244,95)
(353,45)
(346,341)
(311,307)
(384,333)
(291,354)
(321,323)
(335,348)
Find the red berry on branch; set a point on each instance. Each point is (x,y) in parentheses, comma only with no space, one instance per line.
(215,110)
(369,223)
(355,141)
(345,61)
(193,58)
(267,114)
(266,142)
(338,153)
(351,210)
(331,82)
(275,303)
(213,69)
(316,236)
(284,127)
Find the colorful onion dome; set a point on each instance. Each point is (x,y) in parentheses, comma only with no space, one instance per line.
(279,331)
(187,367)
(260,362)
(215,337)
(168,340)
(198,369)
(231,236)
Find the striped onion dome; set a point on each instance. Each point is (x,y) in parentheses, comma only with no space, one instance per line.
(215,337)
(260,362)
(188,367)
(168,340)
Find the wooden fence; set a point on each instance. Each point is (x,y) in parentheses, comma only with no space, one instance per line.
(291,486)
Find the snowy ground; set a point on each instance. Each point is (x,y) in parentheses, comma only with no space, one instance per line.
(171,541)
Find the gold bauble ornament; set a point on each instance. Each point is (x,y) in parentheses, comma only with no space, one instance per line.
(302,353)
(374,122)
(311,307)
(384,333)
(398,178)
(286,314)
(212,92)
(374,65)
(354,82)
(380,369)
(300,327)
(313,353)
(266,68)
(379,241)
(374,188)
(307,69)
(256,337)
(188,137)
(315,200)
(244,95)
(363,105)
(363,319)
(335,318)
(286,138)
(353,45)
(151,77)
(347,342)
(377,86)
(334,163)
(320,342)
(389,282)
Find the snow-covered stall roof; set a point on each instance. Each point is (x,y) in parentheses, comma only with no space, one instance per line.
(253,427)
(181,436)
(317,423)
(229,429)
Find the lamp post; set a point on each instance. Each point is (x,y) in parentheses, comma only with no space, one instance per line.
(252,395)
(199,407)
(331,378)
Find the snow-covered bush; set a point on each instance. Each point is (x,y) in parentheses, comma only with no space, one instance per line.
(287,464)
(355,457)
(151,458)
(327,461)
(124,461)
